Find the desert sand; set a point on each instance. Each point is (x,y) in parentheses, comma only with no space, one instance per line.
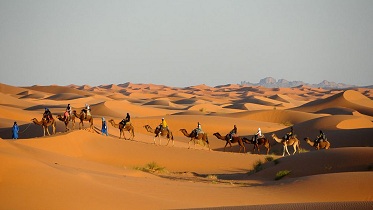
(82,169)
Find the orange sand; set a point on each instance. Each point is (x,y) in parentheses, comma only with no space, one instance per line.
(85,170)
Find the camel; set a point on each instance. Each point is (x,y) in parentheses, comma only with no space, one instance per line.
(261,141)
(193,137)
(321,145)
(66,119)
(164,133)
(46,124)
(81,116)
(235,139)
(128,127)
(293,141)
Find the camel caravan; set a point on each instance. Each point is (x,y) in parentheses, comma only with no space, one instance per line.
(69,116)
(197,135)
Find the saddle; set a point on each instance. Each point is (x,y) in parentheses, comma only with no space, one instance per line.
(124,123)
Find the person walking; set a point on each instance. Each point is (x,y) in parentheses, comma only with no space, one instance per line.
(104,130)
(15,130)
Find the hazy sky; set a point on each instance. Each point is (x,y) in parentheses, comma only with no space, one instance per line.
(184,43)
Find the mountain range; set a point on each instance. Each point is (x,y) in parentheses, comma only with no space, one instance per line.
(271,82)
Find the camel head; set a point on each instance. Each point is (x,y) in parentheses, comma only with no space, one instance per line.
(307,139)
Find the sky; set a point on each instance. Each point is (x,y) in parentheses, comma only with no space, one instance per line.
(185,43)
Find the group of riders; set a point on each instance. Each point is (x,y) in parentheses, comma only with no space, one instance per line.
(164,127)
(47,115)
(320,137)
(233,133)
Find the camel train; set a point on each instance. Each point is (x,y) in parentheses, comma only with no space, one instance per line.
(48,120)
(166,133)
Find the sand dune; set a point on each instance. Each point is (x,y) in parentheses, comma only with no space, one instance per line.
(58,90)
(64,96)
(8,89)
(348,99)
(111,173)
(277,116)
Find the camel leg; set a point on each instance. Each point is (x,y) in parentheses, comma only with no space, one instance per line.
(244,148)
(225,146)
(189,143)
(267,150)
(46,128)
(295,149)
(154,140)
(287,151)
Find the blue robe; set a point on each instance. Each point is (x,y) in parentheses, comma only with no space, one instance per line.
(15,130)
(104,128)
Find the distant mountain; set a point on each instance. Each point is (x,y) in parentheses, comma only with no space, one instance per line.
(270,82)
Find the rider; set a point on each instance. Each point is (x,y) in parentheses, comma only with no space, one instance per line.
(198,129)
(162,126)
(232,132)
(257,136)
(126,120)
(320,137)
(289,134)
(47,114)
(87,110)
(68,109)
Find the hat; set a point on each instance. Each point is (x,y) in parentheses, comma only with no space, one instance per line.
(258,129)
(103,119)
